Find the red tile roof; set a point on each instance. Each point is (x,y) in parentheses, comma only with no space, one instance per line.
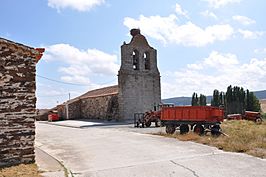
(111,90)
(105,91)
(33,53)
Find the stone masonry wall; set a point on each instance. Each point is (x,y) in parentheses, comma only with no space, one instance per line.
(17,103)
(102,107)
(74,110)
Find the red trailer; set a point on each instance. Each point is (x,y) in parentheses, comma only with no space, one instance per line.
(199,118)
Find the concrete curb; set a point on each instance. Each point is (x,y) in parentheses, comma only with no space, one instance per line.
(50,166)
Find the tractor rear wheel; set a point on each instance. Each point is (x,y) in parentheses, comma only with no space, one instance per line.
(184,129)
(170,129)
(148,124)
(198,129)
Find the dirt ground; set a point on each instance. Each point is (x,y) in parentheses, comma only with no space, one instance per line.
(263,105)
(29,170)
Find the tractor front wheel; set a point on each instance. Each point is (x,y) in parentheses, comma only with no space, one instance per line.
(158,123)
(258,121)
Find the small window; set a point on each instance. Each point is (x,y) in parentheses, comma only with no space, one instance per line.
(147,60)
(135,56)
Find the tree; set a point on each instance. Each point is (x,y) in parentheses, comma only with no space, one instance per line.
(198,101)
(237,100)
(216,98)
(252,102)
(202,100)
(195,100)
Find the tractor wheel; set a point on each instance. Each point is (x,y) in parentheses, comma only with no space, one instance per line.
(184,129)
(198,129)
(258,121)
(170,129)
(158,123)
(148,124)
(215,130)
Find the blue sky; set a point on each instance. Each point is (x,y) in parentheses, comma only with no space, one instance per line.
(202,45)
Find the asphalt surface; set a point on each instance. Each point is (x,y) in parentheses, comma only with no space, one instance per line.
(124,151)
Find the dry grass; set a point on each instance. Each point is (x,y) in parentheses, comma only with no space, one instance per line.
(243,136)
(29,170)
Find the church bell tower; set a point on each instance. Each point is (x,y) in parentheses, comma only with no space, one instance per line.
(138,78)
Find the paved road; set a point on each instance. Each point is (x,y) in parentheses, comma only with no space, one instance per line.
(121,151)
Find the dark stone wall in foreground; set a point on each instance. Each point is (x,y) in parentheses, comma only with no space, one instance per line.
(17,103)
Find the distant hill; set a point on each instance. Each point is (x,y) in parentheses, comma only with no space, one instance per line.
(182,101)
(260,94)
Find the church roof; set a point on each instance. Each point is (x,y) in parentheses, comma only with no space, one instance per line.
(105,91)
(111,90)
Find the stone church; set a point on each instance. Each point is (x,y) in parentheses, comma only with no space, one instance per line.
(138,88)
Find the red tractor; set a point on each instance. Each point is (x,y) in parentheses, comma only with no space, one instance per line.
(145,120)
(248,115)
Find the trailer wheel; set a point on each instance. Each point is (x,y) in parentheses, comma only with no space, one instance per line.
(215,130)
(184,129)
(170,129)
(148,124)
(198,129)
(258,121)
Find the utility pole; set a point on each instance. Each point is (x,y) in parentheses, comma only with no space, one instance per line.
(67,111)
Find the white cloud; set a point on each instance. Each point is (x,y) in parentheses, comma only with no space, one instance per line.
(250,34)
(216,60)
(80,5)
(262,50)
(167,30)
(219,61)
(217,71)
(243,20)
(220,3)
(180,11)
(79,65)
(207,13)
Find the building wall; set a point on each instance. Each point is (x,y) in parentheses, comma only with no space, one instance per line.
(74,111)
(17,104)
(100,107)
(139,88)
